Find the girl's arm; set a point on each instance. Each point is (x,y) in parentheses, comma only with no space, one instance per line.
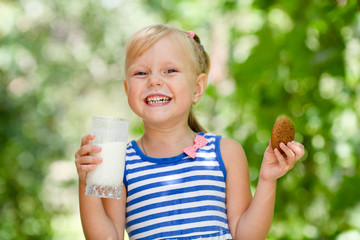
(251,218)
(100,218)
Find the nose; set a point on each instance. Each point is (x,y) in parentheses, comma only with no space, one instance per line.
(155,80)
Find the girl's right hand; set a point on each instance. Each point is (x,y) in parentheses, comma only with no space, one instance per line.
(83,160)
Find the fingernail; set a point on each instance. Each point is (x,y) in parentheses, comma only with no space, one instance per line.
(98,148)
(99,159)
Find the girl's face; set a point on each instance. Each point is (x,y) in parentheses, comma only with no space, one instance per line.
(161,85)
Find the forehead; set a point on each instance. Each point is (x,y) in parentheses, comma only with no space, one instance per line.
(166,48)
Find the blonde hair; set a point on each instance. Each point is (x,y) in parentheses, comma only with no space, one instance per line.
(145,38)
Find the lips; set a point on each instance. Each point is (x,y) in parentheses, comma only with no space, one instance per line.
(157,100)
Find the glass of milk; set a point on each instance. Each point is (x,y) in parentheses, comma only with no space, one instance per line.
(111,135)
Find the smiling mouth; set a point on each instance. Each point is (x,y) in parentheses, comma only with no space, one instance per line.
(157,99)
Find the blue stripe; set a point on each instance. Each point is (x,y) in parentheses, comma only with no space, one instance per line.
(175,191)
(176,212)
(221,233)
(219,157)
(175,202)
(182,232)
(177,222)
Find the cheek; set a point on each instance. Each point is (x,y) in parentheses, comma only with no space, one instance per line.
(192,88)
(133,94)
(133,102)
(132,86)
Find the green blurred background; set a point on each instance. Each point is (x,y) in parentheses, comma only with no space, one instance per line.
(61,62)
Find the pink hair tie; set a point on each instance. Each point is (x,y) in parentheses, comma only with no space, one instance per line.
(192,34)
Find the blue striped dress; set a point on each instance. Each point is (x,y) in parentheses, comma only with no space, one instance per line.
(177,197)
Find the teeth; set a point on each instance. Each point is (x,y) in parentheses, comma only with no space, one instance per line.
(157,99)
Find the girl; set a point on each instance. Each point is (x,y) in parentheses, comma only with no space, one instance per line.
(173,188)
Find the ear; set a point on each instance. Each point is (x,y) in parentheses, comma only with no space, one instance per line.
(201,82)
(125,87)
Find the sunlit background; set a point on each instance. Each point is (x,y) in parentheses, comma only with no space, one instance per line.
(61,62)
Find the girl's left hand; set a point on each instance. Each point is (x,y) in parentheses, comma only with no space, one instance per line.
(275,164)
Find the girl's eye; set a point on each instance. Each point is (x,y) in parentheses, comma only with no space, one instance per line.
(140,73)
(170,70)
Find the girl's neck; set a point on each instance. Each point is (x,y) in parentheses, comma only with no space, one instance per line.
(160,143)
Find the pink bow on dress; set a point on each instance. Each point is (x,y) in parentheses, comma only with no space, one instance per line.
(199,141)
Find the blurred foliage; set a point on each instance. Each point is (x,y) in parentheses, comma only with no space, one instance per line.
(61,63)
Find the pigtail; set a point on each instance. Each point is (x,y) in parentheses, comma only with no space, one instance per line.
(194,123)
(204,64)
(204,59)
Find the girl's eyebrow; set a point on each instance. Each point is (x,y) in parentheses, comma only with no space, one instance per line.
(135,66)
(171,64)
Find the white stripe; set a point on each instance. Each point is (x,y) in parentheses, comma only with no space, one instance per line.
(172,168)
(179,227)
(176,186)
(177,217)
(130,158)
(173,177)
(139,164)
(208,147)
(211,139)
(206,154)
(210,134)
(175,197)
(130,150)
(179,206)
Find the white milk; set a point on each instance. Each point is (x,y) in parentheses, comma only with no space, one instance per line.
(111,171)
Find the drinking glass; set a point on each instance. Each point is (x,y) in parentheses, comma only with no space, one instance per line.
(111,135)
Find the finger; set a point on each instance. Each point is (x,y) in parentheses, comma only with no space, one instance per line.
(281,160)
(84,169)
(86,139)
(88,160)
(288,152)
(86,149)
(297,144)
(291,156)
(297,148)
(77,154)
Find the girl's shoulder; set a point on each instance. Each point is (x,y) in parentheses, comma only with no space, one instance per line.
(228,144)
(232,153)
